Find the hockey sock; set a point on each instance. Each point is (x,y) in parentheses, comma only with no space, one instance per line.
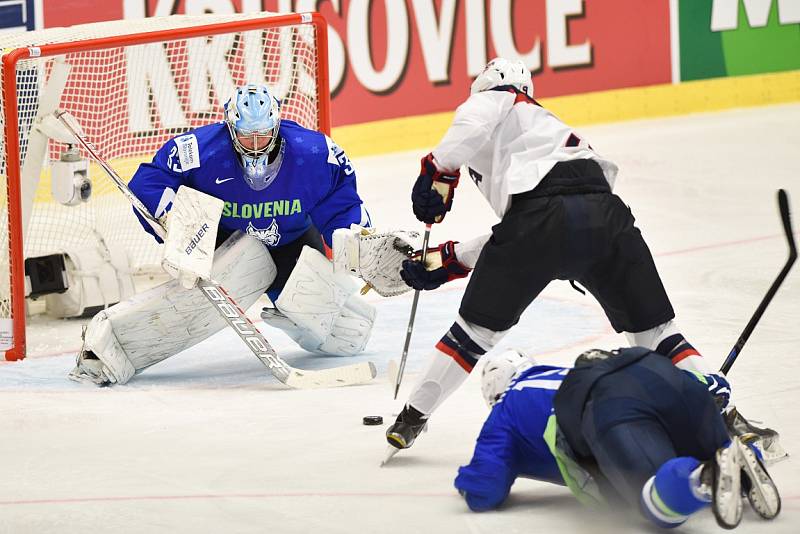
(453,359)
(683,354)
(674,493)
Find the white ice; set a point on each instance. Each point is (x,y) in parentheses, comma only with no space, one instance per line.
(209,442)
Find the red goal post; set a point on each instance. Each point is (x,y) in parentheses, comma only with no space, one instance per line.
(132,85)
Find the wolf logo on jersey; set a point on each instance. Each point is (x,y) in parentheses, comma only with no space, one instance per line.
(268,236)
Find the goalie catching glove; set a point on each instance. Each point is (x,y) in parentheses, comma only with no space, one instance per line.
(374,257)
(432,194)
(441,265)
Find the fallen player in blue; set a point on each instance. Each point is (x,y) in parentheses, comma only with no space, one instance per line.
(621,427)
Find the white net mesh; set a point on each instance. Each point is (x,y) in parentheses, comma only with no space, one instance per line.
(129,101)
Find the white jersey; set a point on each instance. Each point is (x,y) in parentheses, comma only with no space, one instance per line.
(509,143)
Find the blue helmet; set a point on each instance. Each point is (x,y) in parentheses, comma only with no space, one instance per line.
(253,118)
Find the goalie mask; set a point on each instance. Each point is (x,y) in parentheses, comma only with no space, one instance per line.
(253,118)
(498,372)
(499,72)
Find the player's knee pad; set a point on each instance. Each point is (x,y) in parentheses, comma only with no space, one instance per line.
(321,310)
(161,322)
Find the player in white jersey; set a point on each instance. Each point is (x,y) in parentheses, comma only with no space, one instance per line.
(559,220)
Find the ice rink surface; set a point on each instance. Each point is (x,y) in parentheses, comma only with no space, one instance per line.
(208,441)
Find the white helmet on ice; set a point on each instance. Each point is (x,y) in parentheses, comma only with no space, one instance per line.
(499,72)
(498,372)
(253,117)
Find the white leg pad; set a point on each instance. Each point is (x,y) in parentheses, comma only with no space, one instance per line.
(321,310)
(156,324)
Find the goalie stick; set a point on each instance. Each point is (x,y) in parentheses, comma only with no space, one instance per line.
(226,306)
(783,207)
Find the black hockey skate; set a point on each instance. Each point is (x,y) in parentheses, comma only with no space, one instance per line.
(406,428)
(404,431)
(757,484)
(765,439)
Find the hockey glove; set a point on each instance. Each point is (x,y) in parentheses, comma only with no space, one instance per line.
(432,194)
(717,385)
(441,265)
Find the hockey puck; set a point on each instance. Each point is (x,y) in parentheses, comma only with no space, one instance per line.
(372,420)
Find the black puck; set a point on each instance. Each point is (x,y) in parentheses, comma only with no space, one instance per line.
(372,420)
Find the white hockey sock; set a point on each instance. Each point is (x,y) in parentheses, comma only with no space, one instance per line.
(453,359)
(443,376)
(666,339)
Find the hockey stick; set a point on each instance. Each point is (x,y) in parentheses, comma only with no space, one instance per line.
(783,206)
(227,307)
(404,357)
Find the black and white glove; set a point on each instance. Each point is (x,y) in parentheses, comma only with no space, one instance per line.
(441,265)
(432,194)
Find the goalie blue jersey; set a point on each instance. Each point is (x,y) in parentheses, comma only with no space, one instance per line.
(511,443)
(315,184)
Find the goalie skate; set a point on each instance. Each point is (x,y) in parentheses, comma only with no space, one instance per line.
(90,370)
(88,367)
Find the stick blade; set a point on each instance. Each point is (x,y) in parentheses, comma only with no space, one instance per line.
(348,375)
(786,217)
(392,370)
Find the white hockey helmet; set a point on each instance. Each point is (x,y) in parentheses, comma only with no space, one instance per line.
(501,71)
(253,117)
(498,372)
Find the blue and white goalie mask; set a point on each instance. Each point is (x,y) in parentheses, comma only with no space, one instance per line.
(253,118)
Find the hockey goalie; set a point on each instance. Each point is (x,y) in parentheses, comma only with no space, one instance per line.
(259,200)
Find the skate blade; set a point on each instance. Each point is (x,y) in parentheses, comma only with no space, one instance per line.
(82,377)
(390,452)
(726,503)
(771,449)
(773,452)
(763,494)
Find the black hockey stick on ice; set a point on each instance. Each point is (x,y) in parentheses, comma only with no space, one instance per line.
(226,306)
(399,378)
(783,206)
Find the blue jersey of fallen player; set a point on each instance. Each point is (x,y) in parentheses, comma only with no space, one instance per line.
(315,184)
(511,443)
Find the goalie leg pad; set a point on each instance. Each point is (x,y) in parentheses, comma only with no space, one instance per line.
(156,324)
(321,310)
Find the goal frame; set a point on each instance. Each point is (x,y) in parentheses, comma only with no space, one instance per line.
(11,134)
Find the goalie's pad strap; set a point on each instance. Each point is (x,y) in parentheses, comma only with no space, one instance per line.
(324,312)
(167,319)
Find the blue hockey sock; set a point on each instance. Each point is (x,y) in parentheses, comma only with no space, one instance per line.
(672,495)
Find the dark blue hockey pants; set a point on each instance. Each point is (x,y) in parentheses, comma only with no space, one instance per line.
(642,415)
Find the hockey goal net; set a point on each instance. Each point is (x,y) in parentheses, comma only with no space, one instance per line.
(132,85)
